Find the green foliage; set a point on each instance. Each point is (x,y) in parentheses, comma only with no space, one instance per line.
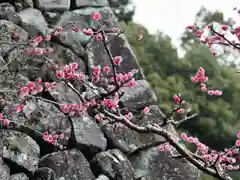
(218,120)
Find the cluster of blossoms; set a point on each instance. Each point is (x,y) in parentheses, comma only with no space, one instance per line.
(166,146)
(119,80)
(4,121)
(90,32)
(112,104)
(202,78)
(208,40)
(227,36)
(238,141)
(53,139)
(68,72)
(33,88)
(77,109)
(179,101)
(126,80)
(210,156)
(37,51)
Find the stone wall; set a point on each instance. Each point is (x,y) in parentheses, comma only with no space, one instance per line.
(96,150)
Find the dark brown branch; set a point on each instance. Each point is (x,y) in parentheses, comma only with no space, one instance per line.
(222,36)
(166,119)
(178,123)
(111,57)
(169,137)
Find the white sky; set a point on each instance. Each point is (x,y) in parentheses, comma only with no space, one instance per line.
(172,16)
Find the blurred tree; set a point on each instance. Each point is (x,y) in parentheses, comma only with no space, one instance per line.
(218,119)
(203,18)
(123,9)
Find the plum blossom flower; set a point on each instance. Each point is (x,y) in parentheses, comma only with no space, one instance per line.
(106,69)
(117,60)
(88,31)
(96,16)
(146,110)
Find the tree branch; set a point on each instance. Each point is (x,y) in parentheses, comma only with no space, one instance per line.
(169,137)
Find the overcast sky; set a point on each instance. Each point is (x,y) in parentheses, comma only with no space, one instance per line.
(172,16)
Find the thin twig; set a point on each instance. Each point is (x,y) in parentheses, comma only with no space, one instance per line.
(177,123)
(43,99)
(75,90)
(111,57)
(115,37)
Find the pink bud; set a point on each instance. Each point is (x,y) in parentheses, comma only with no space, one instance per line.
(238,134)
(87,32)
(39,88)
(74,66)
(224,27)
(146,110)
(183,136)
(195,79)
(106,69)
(160,148)
(60,74)
(19,108)
(6,122)
(191,27)
(218,92)
(199,33)
(96,16)
(176,98)
(180,110)
(55,33)
(191,139)
(37,40)
(39,80)
(129,116)
(204,89)
(59,29)
(211,92)
(230,167)
(201,72)
(203,79)
(99,37)
(117,60)
(48,37)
